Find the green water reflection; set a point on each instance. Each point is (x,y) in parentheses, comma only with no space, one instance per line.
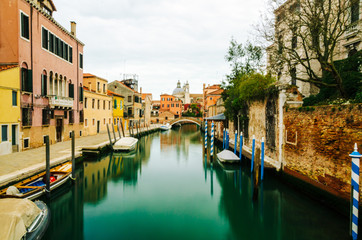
(168,189)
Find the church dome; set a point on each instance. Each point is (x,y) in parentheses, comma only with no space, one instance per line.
(178,90)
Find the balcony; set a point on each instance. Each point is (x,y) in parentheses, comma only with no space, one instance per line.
(58,101)
(351,30)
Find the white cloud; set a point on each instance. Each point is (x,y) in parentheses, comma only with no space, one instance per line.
(161,41)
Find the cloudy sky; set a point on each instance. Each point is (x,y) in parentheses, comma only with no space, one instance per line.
(160,41)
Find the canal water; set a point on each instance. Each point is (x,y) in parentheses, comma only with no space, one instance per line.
(167,189)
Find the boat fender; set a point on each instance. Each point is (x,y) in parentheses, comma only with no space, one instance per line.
(14,191)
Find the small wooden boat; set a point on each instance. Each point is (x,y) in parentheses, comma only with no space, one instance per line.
(165,127)
(34,186)
(125,144)
(23,219)
(227,156)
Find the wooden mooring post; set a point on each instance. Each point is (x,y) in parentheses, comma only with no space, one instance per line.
(256,174)
(114,134)
(73,155)
(109,136)
(119,132)
(47,166)
(122,128)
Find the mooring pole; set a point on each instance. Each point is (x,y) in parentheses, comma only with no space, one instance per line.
(227,139)
(122,128)
(129,128)
(253,154)
(262,159)
(47,166)
(236,141)
(206,134)
(109,136)
(223,139)
(119,131)
(212,141)
(73,155)
(137,128)
(241,146)
(114,134)
(355,191)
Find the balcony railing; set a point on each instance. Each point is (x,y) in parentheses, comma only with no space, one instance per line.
(58,101)
(351,30)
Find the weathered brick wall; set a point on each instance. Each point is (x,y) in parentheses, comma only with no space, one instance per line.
(319,141)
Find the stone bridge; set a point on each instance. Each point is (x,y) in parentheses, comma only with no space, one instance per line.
(194,120)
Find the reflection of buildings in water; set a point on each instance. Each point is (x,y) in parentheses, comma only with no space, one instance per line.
(181,138)
(95,179)
(67,211)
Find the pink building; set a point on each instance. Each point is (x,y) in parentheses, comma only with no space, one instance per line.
(51,70)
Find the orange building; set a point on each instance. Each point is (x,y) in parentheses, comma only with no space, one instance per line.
(210,96)
(169,103)
(50,61)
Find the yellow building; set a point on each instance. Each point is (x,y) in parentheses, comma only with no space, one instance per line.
(118,107)
(97,105)
(9,108)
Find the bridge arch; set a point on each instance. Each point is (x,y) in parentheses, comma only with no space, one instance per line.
(185,119)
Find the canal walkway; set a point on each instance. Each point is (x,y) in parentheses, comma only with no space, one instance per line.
(20,165)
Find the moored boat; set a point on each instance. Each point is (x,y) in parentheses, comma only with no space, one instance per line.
(125,144)
(227,156)
(165,127)
(34,187)
(23,219)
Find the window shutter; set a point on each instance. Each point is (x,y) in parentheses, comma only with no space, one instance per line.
(80,94)
(44,85)
(115,104)
(71,90)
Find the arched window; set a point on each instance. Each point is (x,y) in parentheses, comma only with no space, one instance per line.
(51,83)
(56,87)
(26,78)
(60,85)
(44,83)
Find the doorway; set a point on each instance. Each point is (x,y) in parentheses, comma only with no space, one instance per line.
(14,138)
(59,129)
(98,126)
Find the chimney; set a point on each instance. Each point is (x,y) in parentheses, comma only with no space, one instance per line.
(204,86)
(141,90)
(73,28)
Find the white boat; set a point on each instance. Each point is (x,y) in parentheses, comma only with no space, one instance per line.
(23,219)
(227,156)
(125,144)
(165,127)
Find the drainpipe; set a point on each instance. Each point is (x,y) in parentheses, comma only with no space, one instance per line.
(281,101)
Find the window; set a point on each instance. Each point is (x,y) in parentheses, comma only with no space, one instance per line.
(98,103)
(71,90)
(26,80)
(104,88)
(26,142)
(293,74)
(86,122)
(85,103)
(51,43)
(26,116)
(210,98)
(109,105)
(4,133)
(81,116)
(80,94)
(80,60)
(98,86)
(71,117)
(65,114)
(45,117)
(24,25)
(45,39)
(115,104)
(129,98)
(80,133)
(44,85)
(15,98)
(93,102)
(93,121)
(70,54)
(104,121)
(354,11)
(104,104)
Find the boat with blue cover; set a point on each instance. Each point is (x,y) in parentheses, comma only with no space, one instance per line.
(34,187)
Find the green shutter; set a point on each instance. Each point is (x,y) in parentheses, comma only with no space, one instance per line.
(115,104)
(71,90)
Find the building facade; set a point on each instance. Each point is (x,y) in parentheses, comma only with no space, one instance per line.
(10,109)
(118,107)
(210,95)
(97,105)
(172,104)
(50,60)
(132,100)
